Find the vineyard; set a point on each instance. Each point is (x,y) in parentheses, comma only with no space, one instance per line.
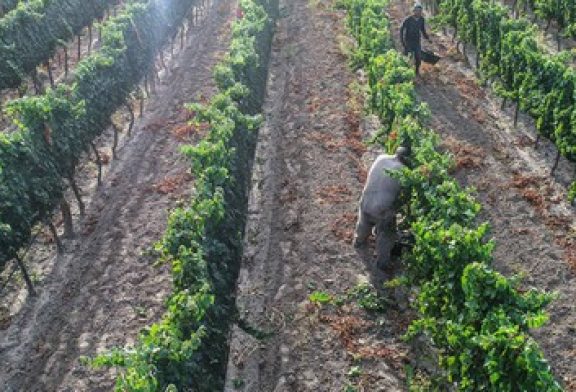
(179,183)
(509,57)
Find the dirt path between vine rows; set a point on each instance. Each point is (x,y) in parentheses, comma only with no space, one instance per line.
(534,227)
(104,289)
(309,170)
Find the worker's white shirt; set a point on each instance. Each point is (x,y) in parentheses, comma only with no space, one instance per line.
(381,190)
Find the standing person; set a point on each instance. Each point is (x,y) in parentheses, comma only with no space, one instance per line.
(410,32)
(379,204)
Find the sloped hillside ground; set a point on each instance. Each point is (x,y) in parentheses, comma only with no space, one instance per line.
(532,223)
(105,288)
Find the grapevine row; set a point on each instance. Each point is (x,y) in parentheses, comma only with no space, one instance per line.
(7,6)
(33,31)
(56,128)
(542,85)
(478,319)
(561,11)
(186,350)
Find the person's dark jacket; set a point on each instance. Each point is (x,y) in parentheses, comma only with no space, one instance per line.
(410,32)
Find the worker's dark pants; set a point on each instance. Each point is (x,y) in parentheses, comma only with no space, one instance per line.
(386,236)
(416,50)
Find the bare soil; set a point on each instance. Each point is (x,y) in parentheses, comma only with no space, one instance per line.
(105,288)
(307,178)
(532,223)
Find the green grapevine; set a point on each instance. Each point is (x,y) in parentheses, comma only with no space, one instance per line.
(57,127)
(32,32)
(187,349)
(477,318)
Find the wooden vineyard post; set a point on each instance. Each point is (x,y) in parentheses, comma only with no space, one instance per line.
(59,245)
(156,72)
(100,21)
(142,107)
(27,279)
(115,142)
(49,70)
(89,38)
(146,88)
(98,162)
(79,46)
(161,56)
(152,79)
(67,218)
(36,82)
(556,161)
(65,62)
(131,111)
(77,194)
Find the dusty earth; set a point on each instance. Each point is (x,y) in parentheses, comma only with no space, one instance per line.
(532,224)
(307,178)
(105,288)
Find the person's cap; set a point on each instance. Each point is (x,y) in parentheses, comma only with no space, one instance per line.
(417,6)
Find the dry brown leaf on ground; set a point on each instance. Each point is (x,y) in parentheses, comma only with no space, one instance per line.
(392,356)
(479,114)
(533,197)
(469,88)
(155,125)
(184,114)
(325,139)
(171,183)
(104,158)
(343,227)
(533,189)
(184,131)
(333,194)
(347,328)
(569,245)
(570,257)
(362,170)
(89,224)
(524,141)
(467,156)
(453,54)
(521,230)
(352,117)
(357,147)
(314,104)
(556,222)
(522,181)
(571,383)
